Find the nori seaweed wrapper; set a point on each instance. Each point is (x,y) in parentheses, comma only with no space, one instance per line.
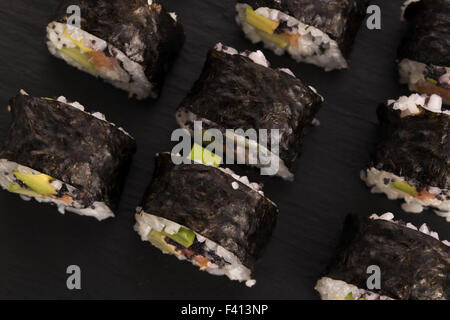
(413,265)
(340,19)
(70,145)
(120,23)
(416,147)
(202,199)
(428,36)
(236,93)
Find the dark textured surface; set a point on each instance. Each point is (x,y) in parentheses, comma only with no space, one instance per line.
(428,38)
(37,244)
(202,199)
(236,93)
(416,147)
(340,19)
(69,145)
(120,22)
(413,265)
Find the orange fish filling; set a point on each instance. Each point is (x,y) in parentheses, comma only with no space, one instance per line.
(65,198)
(425,195)
(428,87)
(199,259)
(100,60)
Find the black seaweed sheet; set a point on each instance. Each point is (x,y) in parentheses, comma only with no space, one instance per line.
(69,145)
(203,199)
(122,22)
(428,36)
(236,93)
(413,265)
(340,19)
(416,147)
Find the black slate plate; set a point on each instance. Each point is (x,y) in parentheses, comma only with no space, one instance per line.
(37,244)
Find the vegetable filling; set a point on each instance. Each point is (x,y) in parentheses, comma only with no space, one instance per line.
(88,58)
(39,185)
(185,243)
(34,184)
(273,31)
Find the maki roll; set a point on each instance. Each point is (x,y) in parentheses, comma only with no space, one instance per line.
(413,263)
(412,159)
(130,44)
(239,91)
(56,152)
(424,56)
(208,216)
(319,32)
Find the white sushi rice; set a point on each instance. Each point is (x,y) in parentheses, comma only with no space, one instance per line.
(98,210)
(411,105)
(413,74)
(376,180)
(232,268)
(332,289)
(128,74)
(309,44)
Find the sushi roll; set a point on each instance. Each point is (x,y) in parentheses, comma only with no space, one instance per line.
(316,32)
(240,91)
(411,160)
(129,44)
(55,152)
(208,216)
(413,263)
(424,56)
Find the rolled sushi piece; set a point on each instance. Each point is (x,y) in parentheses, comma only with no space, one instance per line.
(209,216)
(316,32)
(240,91)
(130,45)
(55,152)
(411,160)
(413,263)
(424,56)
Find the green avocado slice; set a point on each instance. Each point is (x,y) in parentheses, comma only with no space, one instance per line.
(184,236)
(81,58)
(15,188)
(431,80)
(405,187)
(203,155)
(260,22)
(273,38)
(157,239)
(349,297)
(39,183)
